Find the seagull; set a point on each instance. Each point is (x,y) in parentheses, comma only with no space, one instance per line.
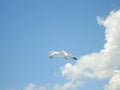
(61,54)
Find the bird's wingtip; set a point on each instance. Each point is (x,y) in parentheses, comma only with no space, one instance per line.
(74,58)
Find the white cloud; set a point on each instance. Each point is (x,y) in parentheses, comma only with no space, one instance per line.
(99,65)
(114,83)
(32,87)
(68,86)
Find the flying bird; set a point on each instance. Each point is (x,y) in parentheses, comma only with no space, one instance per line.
(61,54)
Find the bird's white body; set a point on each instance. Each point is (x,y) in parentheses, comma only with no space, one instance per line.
(61,54)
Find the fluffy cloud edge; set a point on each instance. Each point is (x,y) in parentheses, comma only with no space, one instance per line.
(32,86)
(114,83)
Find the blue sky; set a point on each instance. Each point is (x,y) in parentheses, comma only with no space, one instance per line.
(29,29)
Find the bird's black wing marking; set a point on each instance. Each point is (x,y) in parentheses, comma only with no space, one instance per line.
(74,58)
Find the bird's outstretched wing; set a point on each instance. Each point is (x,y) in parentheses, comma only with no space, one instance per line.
(51,54)
(61,54)
(70,55)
